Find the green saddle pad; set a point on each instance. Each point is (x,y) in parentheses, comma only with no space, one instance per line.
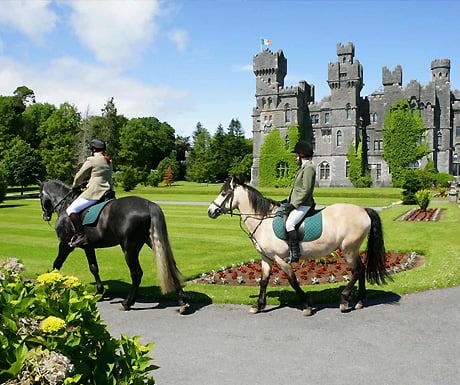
(91,214)
(313,226)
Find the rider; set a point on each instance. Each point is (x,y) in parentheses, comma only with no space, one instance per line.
(301,197)
(98,167)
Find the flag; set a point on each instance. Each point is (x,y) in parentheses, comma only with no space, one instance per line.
(265,42)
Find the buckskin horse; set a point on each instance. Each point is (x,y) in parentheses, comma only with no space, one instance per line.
(129,222)
(344,226)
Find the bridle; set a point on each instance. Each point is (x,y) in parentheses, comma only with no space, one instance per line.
(47,213)
(221,209)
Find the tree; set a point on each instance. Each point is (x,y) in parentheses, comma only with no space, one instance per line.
(10,120)
(182,149)
(58,136)
(22,164)
(168,177)
(34,115)
(198,165)
(403,139)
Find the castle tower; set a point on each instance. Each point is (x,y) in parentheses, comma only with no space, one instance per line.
(277,106)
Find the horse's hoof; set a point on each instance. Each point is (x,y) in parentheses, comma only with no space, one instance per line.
(307,312)
(183,308)
(124,307)
(343,307)
(359,305)
(254,309)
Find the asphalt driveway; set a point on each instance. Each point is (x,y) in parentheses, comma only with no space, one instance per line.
(412,340)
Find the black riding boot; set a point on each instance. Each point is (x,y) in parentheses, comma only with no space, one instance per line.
(79,239)
(294,252)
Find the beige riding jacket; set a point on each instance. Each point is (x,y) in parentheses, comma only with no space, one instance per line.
(99,175)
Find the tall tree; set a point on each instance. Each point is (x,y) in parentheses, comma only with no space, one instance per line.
(58,141)
(198,164)
(22,164)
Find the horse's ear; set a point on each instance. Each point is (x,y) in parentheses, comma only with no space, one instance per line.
(237,179)
(39,182)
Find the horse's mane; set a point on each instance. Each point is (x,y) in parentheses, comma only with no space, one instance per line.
(259,203)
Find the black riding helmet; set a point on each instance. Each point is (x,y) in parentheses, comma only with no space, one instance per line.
(303,147)
(97,144)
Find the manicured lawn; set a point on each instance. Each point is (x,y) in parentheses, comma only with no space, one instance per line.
(201,244)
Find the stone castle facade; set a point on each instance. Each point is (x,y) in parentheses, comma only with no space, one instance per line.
(338,119)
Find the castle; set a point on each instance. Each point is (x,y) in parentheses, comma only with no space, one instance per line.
(344,116)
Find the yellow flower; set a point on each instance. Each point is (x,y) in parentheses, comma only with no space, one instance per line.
(71,281)
(14,302)
(73,300)
(52,277)
(52,324)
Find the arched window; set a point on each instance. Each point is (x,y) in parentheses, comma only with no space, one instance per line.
(324,171)
(264,103)
(326,117)
(348,111)
(339,138)
(286,141)
(287,112)
(270,103)
(313,141)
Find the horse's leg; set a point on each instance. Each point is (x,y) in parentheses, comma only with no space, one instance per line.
(132,260)
(304,298)
(63,253)
(94,268)
(361,290)
(357,272)
(262,301)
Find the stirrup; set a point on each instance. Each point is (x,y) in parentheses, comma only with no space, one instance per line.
(78,240)
(292,258)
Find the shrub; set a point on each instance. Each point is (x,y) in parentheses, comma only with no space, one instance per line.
(52,333)
(423,198)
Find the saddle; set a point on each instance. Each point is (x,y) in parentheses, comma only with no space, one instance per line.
(90,215)
(309,229)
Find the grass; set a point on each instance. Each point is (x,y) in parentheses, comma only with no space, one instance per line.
(201,244)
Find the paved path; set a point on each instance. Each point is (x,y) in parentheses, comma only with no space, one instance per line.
(412,340)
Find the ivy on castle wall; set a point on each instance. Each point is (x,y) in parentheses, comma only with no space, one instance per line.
(278,165)
(402,138)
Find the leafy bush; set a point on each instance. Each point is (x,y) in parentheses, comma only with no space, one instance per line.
(3,185)
(52,333)
(423,198)
(415,180)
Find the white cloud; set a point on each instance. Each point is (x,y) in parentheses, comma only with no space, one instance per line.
(32,18)
(180,38)
(115,30)
(89,88)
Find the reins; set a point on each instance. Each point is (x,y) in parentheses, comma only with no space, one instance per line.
(250,234)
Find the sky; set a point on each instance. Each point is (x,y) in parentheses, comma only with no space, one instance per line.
(190,61)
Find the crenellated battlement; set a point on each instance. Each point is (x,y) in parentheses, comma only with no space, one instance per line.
(390,78)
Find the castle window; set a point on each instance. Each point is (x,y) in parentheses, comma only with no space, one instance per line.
(324,171)
(347,168)
(457,131)
(348,111)
(339,138)
(326,117)
(270,101)
(378,175)
(286,141)
(414,165)
(269,81)
(282,170)
(287,112)
(378,145)
(374,116)
(313,141)
(422,110)
(314,118)
(264,103)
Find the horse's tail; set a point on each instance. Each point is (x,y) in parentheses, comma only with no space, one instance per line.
(168,273)
(376,271)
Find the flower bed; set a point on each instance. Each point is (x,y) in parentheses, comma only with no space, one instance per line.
(330,269)
(419,215)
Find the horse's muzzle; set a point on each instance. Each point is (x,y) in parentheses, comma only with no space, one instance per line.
(46,217)
(214,213)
